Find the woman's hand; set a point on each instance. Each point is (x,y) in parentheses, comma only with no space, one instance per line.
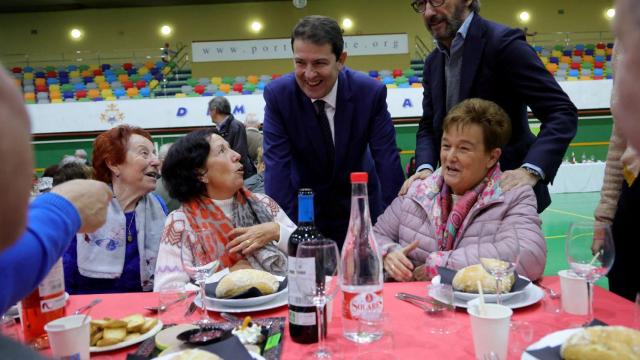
(398,265)
(246,240)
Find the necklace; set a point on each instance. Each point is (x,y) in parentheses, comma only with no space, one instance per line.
(133,219)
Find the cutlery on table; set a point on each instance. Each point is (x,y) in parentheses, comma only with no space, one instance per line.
(88,306)
(550,291)
(164,307)
(404,295)
(429,309)
(191,309)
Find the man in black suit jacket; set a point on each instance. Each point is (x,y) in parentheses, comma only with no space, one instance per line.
(231,130)
(482,59)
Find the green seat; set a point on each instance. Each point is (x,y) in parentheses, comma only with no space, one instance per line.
(228,80)
(83,67)
(249,87)
(558,47)
(192,82)
(590,47)
(401,80)
(50,68)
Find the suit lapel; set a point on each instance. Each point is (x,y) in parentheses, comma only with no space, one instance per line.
(342,119)
(438,86)
(473,48)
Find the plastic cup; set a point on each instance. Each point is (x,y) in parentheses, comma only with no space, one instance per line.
(490,331)
(574,297)
(69,337)
(382,345)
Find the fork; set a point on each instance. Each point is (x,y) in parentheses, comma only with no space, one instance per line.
(433,309)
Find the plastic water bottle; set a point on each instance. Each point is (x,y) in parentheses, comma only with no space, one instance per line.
(362,279)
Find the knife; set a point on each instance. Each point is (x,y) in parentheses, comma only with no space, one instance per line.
(191,309)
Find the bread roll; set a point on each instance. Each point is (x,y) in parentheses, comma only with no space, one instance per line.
(466,280)
(239,281)
(603,343)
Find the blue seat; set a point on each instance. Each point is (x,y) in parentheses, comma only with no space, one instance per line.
(574,73)
(580,47)
(145,91)
(79,86)
(388,80)
(68,95)
(72,68)
(373,73)
(598,72)
(52,81)
(27,69)
(119,92)
(40,74)
(105,66)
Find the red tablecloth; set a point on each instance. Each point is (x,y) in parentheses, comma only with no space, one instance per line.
(408,328)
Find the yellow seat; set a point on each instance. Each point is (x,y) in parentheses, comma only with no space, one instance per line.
(216,80)
(110,98)
(416,85)
(56,101)
(252,79)
(143,71)
(105,93)
(54,87)
(392,86)
(99,79)
(29,96)
(565,59)
(104,85)
(181,95)
(153,83)
(55,95)
(27,76)
(583,77)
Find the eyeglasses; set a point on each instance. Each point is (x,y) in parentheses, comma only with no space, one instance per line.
(420,6)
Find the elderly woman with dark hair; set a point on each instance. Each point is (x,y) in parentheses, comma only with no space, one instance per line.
(441,219)
(206,176)
(121,255)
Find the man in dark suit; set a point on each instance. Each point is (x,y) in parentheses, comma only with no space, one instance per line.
(322,122)
(232,131)
(479,58)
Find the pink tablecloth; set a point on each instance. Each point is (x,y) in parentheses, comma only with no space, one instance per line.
(408,328)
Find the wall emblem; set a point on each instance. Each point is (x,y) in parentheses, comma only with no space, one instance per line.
(112,115)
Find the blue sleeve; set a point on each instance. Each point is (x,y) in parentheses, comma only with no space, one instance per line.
(162,203)
(52,221)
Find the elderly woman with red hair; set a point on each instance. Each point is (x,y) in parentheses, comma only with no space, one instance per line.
(121,255)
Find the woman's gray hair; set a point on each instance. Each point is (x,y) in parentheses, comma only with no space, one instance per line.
(220,104)
(475,6)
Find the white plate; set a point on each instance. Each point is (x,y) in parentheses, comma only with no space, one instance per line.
(173,356)
(490,298)
(124,344)
(529,296)
(553,339)
(254,301)
(280,299)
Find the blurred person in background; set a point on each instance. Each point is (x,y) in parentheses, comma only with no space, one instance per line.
(232,131)
(72,171)
(82,155)
(254,137)
(121,255)
(161,188)
(205,174)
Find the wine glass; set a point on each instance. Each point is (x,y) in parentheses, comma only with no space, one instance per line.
(501,257)
(317,268)
(586,263)
(199,262)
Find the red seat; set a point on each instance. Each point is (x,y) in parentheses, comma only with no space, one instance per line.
(81,94)
(52,74)
(199,89)
(140,84)
(275,76)
(41,88)
(578,52)
(601,46)
(127,66)
(575,66)
(396,73)
(97,72)
(598,65)
(16,70)
(127,84)
(237,87)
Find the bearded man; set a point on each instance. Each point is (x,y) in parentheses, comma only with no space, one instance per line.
(476,58)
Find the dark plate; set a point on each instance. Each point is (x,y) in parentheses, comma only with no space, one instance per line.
(203,336)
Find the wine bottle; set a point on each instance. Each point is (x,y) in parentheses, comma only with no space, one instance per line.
(303,326)
(44,304)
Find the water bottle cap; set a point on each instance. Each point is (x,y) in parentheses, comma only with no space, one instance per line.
(359,177)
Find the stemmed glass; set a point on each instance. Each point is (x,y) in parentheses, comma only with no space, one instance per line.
(199,268)
(317,268)
(586,263)
(501,257)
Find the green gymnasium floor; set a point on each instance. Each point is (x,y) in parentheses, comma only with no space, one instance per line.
(565,209)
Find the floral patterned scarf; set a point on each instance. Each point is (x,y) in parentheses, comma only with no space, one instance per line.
(450,218)
(203,214)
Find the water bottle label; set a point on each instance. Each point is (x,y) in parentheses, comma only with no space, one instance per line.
(302,318)
(53,283)
(52,304)
(359,304)
(301,273)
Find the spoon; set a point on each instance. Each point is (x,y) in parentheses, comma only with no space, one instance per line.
(164,307)
(552,294)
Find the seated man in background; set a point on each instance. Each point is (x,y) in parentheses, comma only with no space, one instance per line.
(26,256)
(441,219)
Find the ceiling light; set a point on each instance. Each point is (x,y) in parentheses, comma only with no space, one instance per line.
(256,26)
(166,30)
(611,13)
(524,16)
(347,23)
(75,34)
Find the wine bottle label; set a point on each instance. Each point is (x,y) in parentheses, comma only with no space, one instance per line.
(53,283)
(360,303)
(302,280)
(52,304)
(302,318)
